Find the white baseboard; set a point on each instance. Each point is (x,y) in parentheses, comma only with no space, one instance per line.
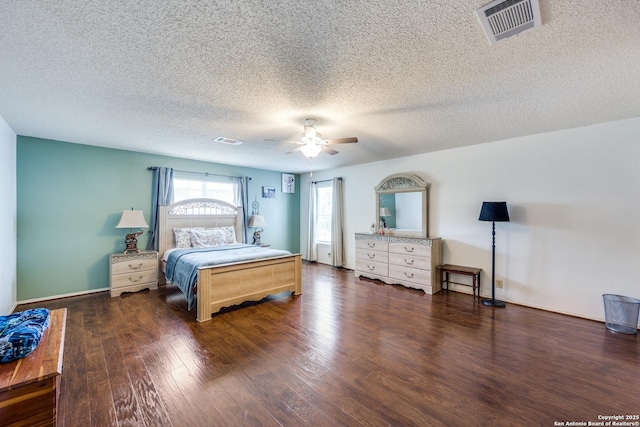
(73,294)
(12,309)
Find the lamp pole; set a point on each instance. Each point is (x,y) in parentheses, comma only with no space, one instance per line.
(494,211)
(493,302)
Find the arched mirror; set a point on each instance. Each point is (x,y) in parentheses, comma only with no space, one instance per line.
(402,205)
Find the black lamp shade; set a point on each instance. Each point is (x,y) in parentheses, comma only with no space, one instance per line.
(494,211)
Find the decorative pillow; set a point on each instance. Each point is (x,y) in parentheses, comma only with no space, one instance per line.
(229,234)
(206,238)
(183,237)
(20,333)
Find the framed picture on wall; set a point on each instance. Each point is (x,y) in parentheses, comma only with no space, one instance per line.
(288,183)
(269,192)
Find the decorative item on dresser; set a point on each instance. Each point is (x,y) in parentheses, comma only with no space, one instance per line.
(133,272)
(407,261)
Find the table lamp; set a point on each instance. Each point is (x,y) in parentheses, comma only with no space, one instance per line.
(132,219)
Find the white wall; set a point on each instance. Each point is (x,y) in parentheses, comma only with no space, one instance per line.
(574,202)
(7,218)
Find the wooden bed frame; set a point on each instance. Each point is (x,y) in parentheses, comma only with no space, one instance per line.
(229,284)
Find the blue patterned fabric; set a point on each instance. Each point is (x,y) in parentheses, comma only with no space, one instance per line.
(20,333)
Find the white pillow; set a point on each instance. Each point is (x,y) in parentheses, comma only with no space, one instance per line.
(183,237)
(229,234)
(207,238)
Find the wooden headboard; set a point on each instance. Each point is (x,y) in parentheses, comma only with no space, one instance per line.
(206,213)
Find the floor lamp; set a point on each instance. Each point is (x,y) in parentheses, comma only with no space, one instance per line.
(494,211)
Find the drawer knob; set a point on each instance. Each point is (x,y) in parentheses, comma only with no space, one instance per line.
(408,275)
(371,267)
(371,256)
(133,267)
(371,245)
(409,249)
(131,279)
(410,262)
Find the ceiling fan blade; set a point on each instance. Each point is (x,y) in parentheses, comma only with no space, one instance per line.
(341,140)
(328,150)
(282,140)
(293,151)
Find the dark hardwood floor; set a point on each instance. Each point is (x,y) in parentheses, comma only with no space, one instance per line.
(347,352)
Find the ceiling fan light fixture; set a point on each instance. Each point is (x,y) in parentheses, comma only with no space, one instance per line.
(310,132)
(310,150)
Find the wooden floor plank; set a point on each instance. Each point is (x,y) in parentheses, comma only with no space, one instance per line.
(347,351)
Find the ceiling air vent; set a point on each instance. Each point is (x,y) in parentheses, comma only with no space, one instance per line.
(505,18)
(229,141)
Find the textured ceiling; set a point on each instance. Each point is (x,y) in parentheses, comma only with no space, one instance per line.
(405,77)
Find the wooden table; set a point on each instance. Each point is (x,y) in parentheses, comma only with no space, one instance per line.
(30,386)
(474,272)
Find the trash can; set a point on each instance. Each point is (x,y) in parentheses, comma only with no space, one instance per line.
(621,313)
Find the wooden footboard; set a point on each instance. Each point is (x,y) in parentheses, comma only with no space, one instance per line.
(227,285)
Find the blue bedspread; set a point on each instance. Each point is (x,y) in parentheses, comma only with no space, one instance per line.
(182,264)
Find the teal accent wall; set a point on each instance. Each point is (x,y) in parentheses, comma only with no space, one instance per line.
(69,199)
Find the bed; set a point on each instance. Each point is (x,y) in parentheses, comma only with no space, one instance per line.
(222,281)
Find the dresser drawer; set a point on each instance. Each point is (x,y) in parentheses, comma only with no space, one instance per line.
(371,255)
(377,245)
(412,261)
(410,249)
(414,275)
(132,279)
(134,265)
(372,267)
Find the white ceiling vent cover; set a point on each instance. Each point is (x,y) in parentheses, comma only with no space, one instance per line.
(502,19)
(226,140)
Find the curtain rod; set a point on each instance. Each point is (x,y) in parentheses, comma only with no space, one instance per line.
(325,180)
(152,168)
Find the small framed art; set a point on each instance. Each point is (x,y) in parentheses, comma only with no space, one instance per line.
(269,192)
(288,183)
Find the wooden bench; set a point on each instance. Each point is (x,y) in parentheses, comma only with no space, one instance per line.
(30,386)
(447,269)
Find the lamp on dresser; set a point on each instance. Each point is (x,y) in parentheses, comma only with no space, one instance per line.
(494,211)
(132,219)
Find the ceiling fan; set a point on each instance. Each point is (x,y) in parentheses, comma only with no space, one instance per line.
(311,143)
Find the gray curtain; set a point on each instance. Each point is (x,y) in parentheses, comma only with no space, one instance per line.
(162,195)
(241,197)
(337,224)
(312,247)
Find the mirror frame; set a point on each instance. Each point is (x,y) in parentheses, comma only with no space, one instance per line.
(403,183)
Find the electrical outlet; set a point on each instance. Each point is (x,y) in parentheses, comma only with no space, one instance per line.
(499,284)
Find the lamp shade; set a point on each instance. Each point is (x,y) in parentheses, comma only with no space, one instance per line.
(494,211)
(310,150)
(132,219)
(257,221)
(384,212)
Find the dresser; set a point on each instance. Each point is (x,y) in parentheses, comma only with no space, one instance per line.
(133,272)
(407,261)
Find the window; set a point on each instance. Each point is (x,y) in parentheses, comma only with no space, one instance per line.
(325,207)
(210,187)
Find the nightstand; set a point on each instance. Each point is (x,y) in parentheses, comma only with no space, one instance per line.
(133,272)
